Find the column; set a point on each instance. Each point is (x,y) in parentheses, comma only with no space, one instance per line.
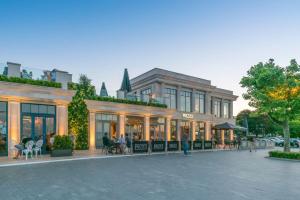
(208,103)
(122,119)
(193,133)
(179,134)
(222,108)
(168,132)
(147,128)
(62,120)
(178,98)
(207,130)
(222,137)
(14,121)
(193,100)
(231,133)
(231,110)
(92,131)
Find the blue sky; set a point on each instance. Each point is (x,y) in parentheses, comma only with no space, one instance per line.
(217,40)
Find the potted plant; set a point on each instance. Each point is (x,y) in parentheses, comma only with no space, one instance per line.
(62,146)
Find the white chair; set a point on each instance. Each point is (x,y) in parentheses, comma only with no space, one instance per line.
(38,147)
(28,149)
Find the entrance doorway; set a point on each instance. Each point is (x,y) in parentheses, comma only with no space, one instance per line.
(38,123)
(106,124)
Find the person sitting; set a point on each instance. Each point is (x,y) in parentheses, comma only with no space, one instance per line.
(106,144)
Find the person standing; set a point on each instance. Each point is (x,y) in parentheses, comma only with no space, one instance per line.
(185,144)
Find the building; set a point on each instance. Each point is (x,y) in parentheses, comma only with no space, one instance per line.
(194,106)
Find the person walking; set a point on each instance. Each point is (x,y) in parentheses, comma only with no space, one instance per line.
(185,144)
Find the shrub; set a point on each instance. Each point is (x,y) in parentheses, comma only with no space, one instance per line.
(126,101)
(288,155)
(30,81)
(62,142)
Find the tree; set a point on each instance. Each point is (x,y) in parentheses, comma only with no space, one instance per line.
(275,92)
(78,112)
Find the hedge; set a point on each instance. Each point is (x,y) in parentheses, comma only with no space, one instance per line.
(30,81)
(126,101)
(287,155)
(62,142)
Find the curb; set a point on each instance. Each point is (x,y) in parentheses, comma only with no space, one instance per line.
(21,163)
(282,159)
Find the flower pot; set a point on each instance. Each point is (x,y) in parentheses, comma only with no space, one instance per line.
(61,152)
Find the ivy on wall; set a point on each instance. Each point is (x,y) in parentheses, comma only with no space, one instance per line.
(78,112)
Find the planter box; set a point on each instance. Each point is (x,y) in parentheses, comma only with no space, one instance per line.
(140,146)
(61,152)
(173,145)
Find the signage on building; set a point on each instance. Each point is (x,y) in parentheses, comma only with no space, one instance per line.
(173,146)
(158,146)
(197,144)
(187,115)
(140,147)
(207,145)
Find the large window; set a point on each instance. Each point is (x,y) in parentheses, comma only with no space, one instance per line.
(174,130)
(38,122)
(226,106)
(135,128)
(3,128)
(145,94)
(157,129)
(106,124)
(170,98)
(200,131)
(185,101)
(200,102)
(217,108)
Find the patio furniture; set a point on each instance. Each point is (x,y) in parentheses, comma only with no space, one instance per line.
(38,147)
(28,149)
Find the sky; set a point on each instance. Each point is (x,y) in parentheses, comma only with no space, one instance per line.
(218,40)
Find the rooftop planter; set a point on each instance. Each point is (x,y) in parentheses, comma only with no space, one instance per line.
(126,101)
(30,81)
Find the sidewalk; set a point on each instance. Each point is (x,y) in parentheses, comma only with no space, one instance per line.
(83,155)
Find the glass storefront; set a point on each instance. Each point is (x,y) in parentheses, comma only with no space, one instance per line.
(135,128)
(106,124)
(3,129)
(38,122)
(157,129)
(200,131)
(173,130)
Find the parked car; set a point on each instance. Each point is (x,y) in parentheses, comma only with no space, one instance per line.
(294,142)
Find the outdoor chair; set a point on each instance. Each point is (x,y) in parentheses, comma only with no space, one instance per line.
(38,147)
(28,149)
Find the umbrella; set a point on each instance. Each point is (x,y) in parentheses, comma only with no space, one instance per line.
(228,126)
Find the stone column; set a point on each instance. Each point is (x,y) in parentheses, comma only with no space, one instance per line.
(207,106)
(179,135)
(147,128)
(222,137)
(207,130)
(231,109)
(14,122)
(231,135)
(121,126)
(222,108)
(193,100)
(92,131)
(62,120)
(193,133)
(168,132)
(178,98)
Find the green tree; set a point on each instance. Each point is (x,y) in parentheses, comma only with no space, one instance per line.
(78,112)
(275,92)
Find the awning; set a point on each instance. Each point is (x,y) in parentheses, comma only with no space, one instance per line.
(228,126)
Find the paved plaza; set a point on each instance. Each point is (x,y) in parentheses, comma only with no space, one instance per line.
(225,175)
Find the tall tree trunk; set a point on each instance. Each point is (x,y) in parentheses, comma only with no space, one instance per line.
(286,132)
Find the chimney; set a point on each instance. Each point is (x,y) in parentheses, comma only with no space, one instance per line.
(13,69)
